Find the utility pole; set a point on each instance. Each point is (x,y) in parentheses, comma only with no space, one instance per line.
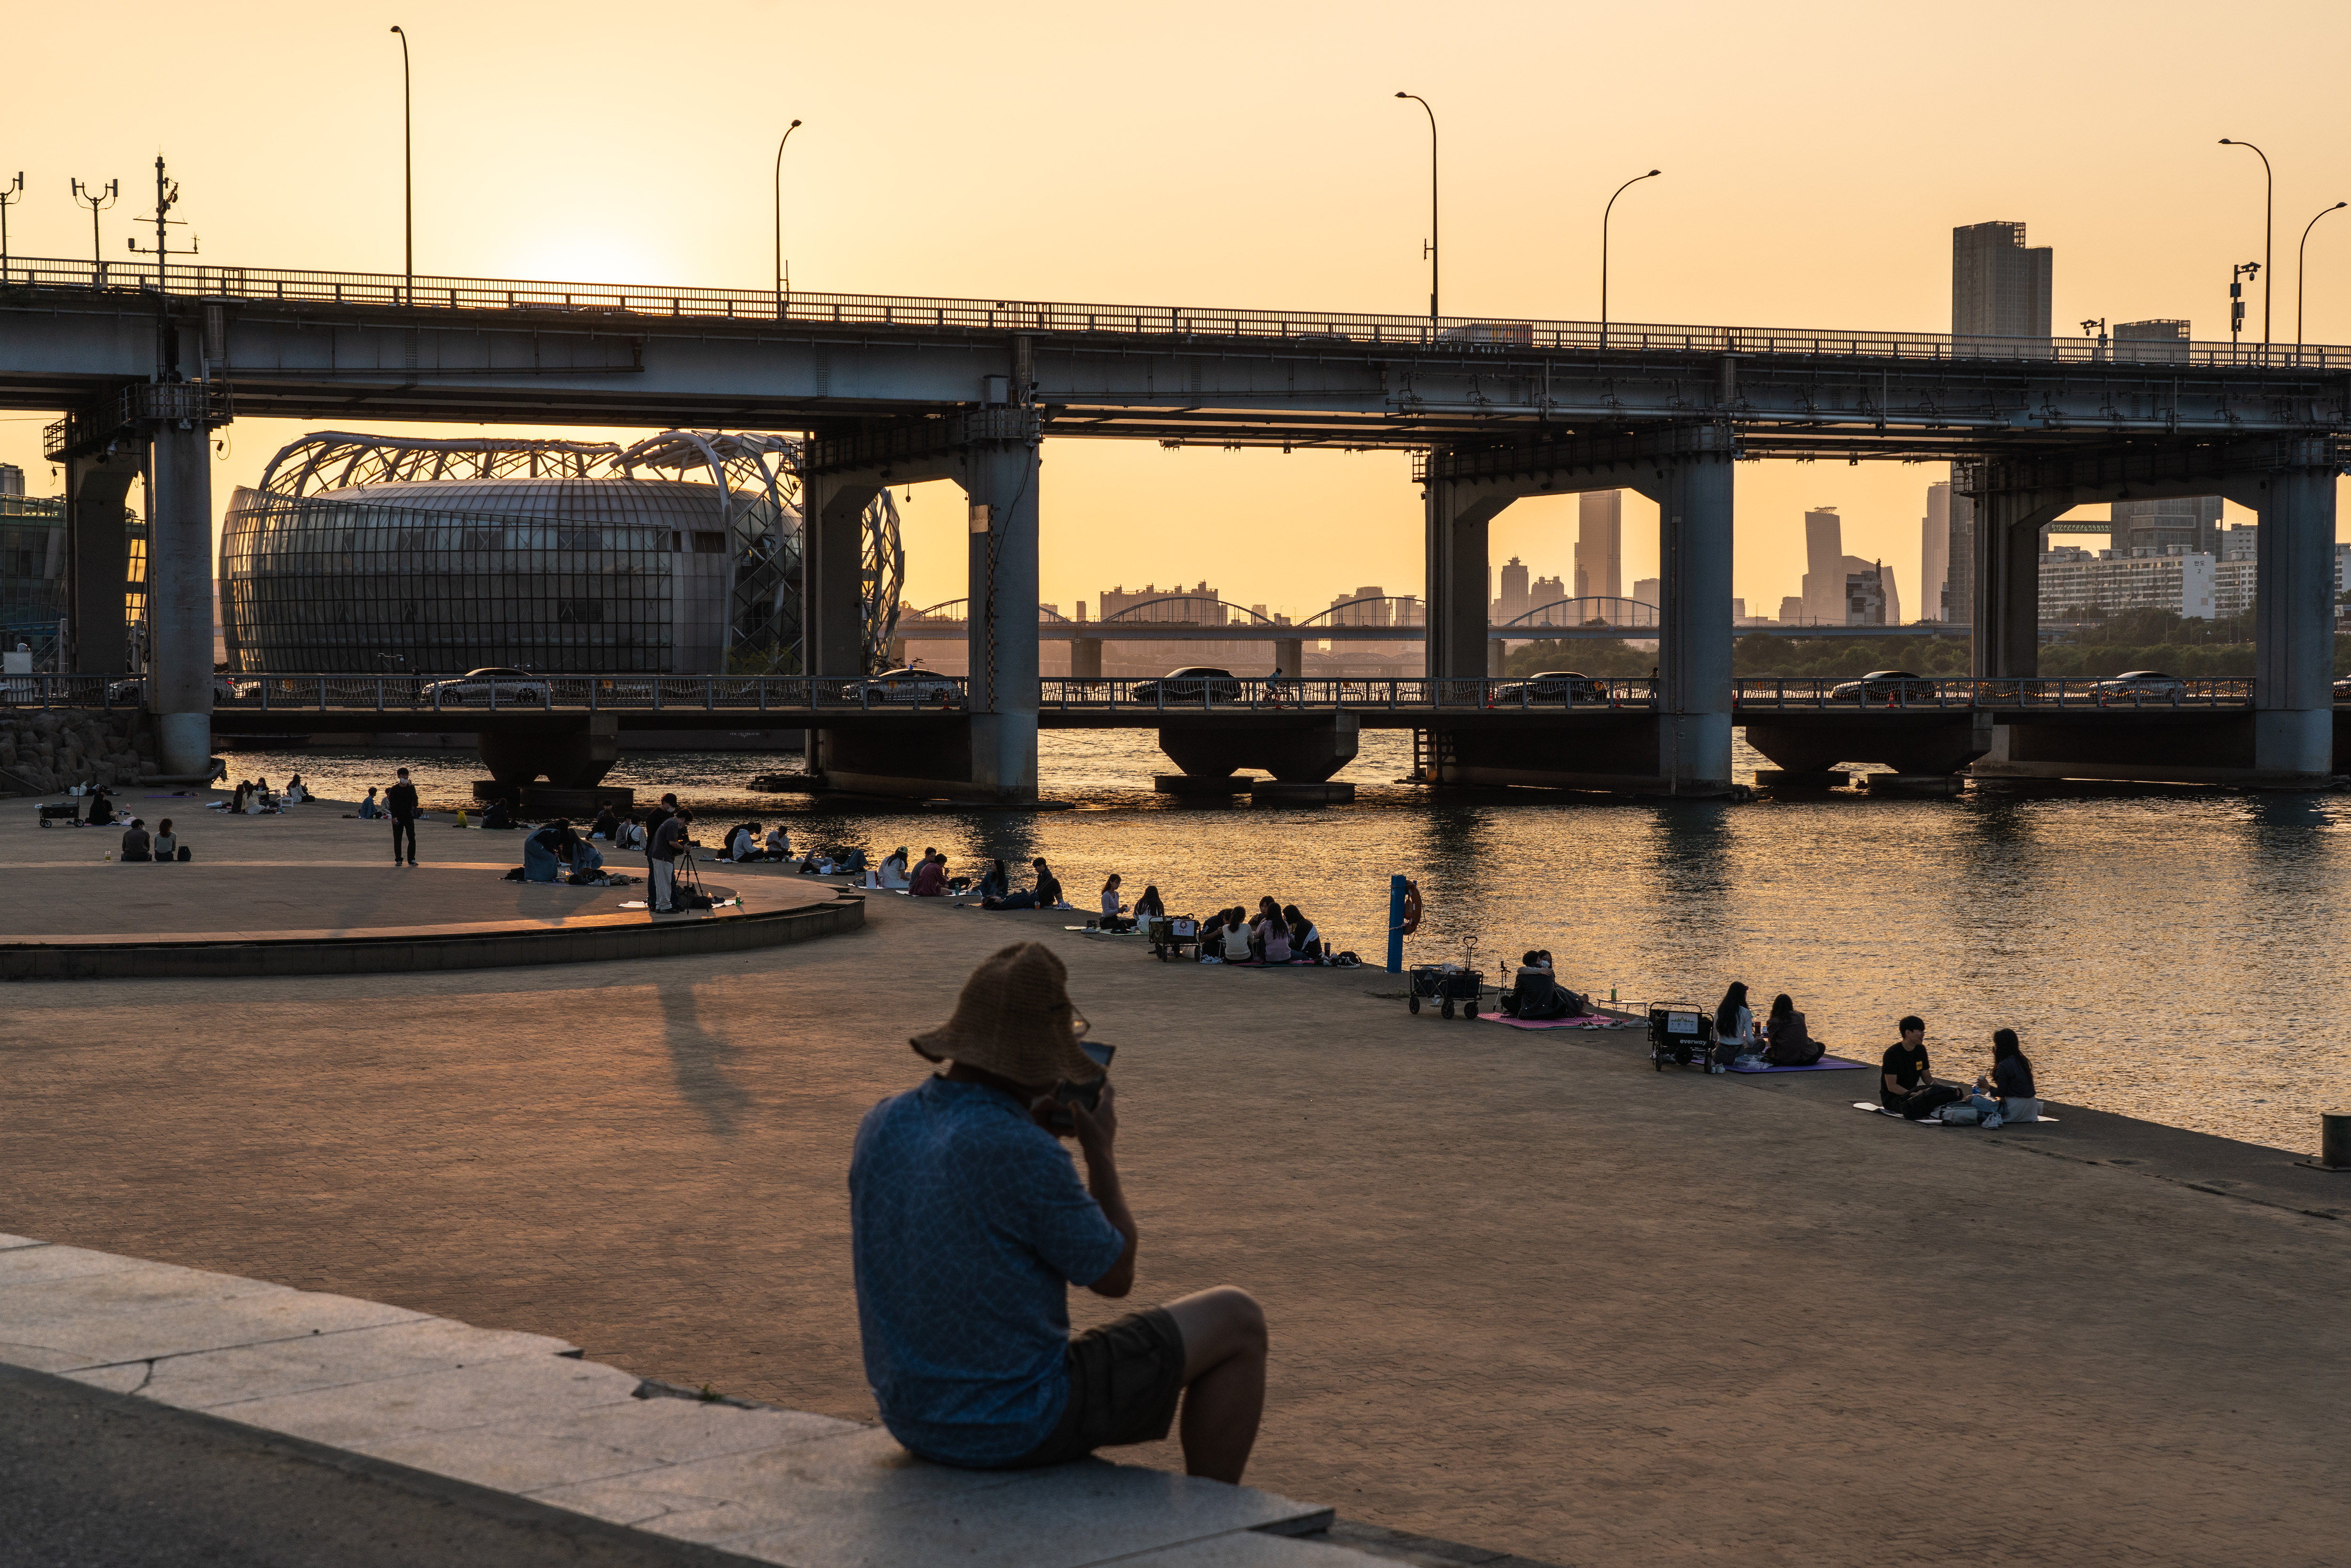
(2269,230)
(9,196)
(1430,250)
(407,169)
(97,200)
(167,196)
(2237,275)
(795,125)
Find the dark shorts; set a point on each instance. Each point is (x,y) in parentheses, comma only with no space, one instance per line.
(1124,1380)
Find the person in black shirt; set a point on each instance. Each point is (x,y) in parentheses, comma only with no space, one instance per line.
(2009,1095)
(1049,886)
(399,801)
(669,841)
(1907,1087)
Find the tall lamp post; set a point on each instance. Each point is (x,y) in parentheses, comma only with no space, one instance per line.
(1431,246)
(407,168)
(2299,264)
(1604,214)
(795,125)
(2269,231)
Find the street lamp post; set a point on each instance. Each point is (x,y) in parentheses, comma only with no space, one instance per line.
(1431,246)
(407,169)
(795,125)
(2269,231)
(1604,214)
(2299,264)
(97,198)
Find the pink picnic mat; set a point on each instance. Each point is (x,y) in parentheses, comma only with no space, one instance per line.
(1589,1020)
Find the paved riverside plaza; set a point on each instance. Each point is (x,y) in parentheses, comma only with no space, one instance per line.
(1525,1293)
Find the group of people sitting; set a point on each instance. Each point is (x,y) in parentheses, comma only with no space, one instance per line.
(162,845)
(2008,1093)
(1782,1040)
(996,889)
(1277,934)
(925,878)
(1536,993)
(559,852)
(251,797)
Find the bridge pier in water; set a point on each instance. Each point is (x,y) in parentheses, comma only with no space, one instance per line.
(180,600)
(2287,740)
(1682,745)
(988,751)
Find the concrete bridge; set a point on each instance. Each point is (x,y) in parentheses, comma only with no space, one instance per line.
(896,391)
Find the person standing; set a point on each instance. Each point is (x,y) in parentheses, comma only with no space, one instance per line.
(660,858)
(400,801)
(1907,1087)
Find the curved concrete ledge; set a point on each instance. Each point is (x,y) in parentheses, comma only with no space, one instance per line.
(163,958)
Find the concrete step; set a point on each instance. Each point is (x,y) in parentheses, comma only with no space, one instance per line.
(527,1415)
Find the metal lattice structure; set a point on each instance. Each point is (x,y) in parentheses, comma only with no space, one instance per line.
(881,578)
(678,553)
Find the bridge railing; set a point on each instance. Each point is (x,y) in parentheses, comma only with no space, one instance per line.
(1196,694)
(1922,692)
(1452,334)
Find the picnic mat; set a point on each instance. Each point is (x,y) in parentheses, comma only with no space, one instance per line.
(1826,1064)
(1873,1107)
(1588,1020)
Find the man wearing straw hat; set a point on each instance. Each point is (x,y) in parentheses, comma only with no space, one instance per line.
(968,1225)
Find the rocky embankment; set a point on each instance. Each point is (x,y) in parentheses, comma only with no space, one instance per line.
(43,753)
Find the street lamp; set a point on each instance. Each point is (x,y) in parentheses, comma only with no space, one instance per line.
(407,167)
(1430,248)
(2299,254)
(97,198)
(1604,214)
(2269,230)
(795,125)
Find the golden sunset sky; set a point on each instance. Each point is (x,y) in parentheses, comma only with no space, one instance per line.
(1816,157)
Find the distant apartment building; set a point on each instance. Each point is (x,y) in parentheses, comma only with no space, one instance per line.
(1935,553)
(2077,584)
(2160,342)
(1599,570)
(2236,573)
(1202,605)
(1867,593)
(12,479)
(1650,590)
(1998,287)
(1512,602)
(1792,610)
(1829,575)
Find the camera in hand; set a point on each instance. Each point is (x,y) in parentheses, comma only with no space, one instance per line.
(1088,1094)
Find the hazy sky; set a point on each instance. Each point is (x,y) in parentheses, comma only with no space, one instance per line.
(1816,158)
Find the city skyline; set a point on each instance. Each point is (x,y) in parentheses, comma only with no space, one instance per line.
(1147,207)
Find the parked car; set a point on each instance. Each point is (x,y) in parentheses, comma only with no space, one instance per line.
(2343,691)
(1884,685)
(1192,683)
(907,683)
(1554,686)
(479,687)
(132,689)
(2143,684)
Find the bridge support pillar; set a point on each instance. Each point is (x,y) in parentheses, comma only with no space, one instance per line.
(1085,658)
(1693,492)
(1001,479)
(1459,514)
(180,600)
(1290,657)
(2294,624)
(98,559)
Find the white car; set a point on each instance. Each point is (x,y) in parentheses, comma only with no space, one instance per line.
(477,688)
(2143,684)
(908,684)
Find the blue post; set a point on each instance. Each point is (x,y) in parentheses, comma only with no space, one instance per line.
(1396,926)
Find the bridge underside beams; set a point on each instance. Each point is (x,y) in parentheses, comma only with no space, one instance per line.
(2151,748)
(1907,743)
(1617,752)
(1305,751)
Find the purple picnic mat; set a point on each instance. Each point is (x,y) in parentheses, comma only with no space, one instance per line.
(1826,1064)
(1589,1020)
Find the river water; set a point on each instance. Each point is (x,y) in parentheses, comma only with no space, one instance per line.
(2168,954)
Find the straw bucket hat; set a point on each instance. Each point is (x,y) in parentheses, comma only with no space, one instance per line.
(1015,1020)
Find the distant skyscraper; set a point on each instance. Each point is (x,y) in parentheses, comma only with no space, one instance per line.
(1599,546)
(1792,610)
(1649,590)
(1829,573)
(1513,602)
(1935,551)
(12,479)
(1998,288)
(1960,583)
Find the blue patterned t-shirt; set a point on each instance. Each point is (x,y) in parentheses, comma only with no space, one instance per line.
(968,1225)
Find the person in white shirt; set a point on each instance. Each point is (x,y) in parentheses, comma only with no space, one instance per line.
(1734,1024)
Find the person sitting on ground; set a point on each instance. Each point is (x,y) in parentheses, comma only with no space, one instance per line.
(850,862)
(587,864)
(1535,993)
(100,808)
(1907,1087)
(967,1225)
(236,796)
(1049,886)
(629,834)
(2010,1093)
(1273,935)
(499,815)
(1786,1042)
(368,810)
(930,878)
(547,854)
(167,842)
(997,883)
(1734,1025)
(1150,906)
(1211,946)
(296,790)
(136,844)
(256,798)
(745,843)
(1239,946)
(780,843)
(893,872)
(1113,905)
(1305,942)
(607,823)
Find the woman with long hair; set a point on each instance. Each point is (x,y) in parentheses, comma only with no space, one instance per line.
(1734,1024)
(2010,1093)
(1150,906)
(1787,1044)
(1305,941)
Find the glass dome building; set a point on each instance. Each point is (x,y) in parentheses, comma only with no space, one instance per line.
(679,555)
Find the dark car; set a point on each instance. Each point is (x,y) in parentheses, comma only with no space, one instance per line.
(907,683)
(1192,683)
(132,689)
(2343,691)
(1554,686)
(1886,685)
(479,687)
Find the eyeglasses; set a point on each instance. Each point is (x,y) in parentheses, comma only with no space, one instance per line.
(1077,1024)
